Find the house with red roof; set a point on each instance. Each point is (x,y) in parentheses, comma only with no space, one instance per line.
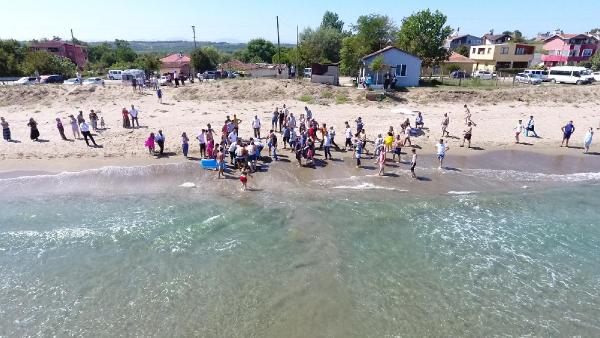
(564,49)
(76,53)
(175,63)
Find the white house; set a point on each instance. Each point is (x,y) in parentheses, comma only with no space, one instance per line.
(403,66)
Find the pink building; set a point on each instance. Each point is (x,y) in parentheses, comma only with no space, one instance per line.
(566,49)
(76,53)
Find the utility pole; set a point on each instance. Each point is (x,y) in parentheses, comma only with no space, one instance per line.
(194,31)
(278,45)
(72,37)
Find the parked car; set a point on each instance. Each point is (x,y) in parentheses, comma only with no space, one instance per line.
(163,80)
(483,74)
(307,72)
(542,74)
(569,74)
(72,81)
(459,74)
(115,74)
(210,75)
(93,81)
(26,81)
(528,78)
(596,76)
(52,79)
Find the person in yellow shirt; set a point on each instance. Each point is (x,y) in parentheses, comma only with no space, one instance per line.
(388,141)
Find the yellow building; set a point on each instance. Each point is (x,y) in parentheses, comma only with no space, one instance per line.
(501,56)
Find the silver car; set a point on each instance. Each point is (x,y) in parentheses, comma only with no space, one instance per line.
(528,78)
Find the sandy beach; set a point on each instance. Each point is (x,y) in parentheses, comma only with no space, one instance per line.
(190,108)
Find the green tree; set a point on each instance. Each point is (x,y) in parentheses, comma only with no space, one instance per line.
(259,49)
(213,54)
(375,31)
(595,61)
(463,50)
(377,66)
(332,20)
(124,52)
(148,62)
(47,63)
(320,46)
(517,36)
(350,55)
(201,61)
(12,54)
(423,34)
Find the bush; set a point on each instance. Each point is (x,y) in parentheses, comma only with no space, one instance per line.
(46,63)
(326,94)
(341,99)
(306,98)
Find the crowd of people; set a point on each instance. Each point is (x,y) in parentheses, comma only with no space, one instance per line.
(302,136)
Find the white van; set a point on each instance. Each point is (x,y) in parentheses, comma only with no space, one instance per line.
(115,74)
(542,74)
(569,74)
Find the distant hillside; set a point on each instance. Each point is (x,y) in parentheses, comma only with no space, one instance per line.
(165,47)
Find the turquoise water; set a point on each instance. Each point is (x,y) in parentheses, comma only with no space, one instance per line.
(302,264)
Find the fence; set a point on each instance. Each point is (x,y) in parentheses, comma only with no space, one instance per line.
(502,79)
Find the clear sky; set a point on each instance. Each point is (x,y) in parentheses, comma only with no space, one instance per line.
(241,20)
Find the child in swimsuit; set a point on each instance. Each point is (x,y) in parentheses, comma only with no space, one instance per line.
(244,179)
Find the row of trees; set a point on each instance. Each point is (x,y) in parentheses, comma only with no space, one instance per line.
(422,34)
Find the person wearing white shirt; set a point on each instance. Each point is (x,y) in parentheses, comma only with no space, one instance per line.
(256,126)
(348,134)
(441,152)
(202,141)
(518,130)
(232,137)
(85,131)
(134,116)
(327,146)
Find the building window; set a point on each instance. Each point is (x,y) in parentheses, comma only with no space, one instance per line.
(489,51)
(520,51)
(573,52)
(587,52)
(401,70)
(473,51)
(504,50)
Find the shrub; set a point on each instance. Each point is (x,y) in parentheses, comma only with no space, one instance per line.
(341,99)
(326,94)
(306,98)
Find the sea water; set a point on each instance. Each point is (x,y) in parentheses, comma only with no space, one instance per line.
(304,263)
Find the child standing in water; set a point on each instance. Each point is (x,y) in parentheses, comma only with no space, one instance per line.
(381,159)
(150,144)
(413,162)
(244,178)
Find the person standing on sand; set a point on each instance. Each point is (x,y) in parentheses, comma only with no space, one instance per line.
(160,140)
(441,152)
(5,129)
(327,146)
(468,116)
(94,120)
(587,140)
(202,142)
(80,117)
(159,95)
(397,144)
(530,127)
(85,130)
(467,134)
(445,123)
(567,130)
(34,133)
(134,117)
(359,124)
(126,123)
(275,118)
(74,127)
(150,144)
(281,117)
(185,144)
(348,134)
(413,162)
(518,130)
(61,129)
(256,126)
